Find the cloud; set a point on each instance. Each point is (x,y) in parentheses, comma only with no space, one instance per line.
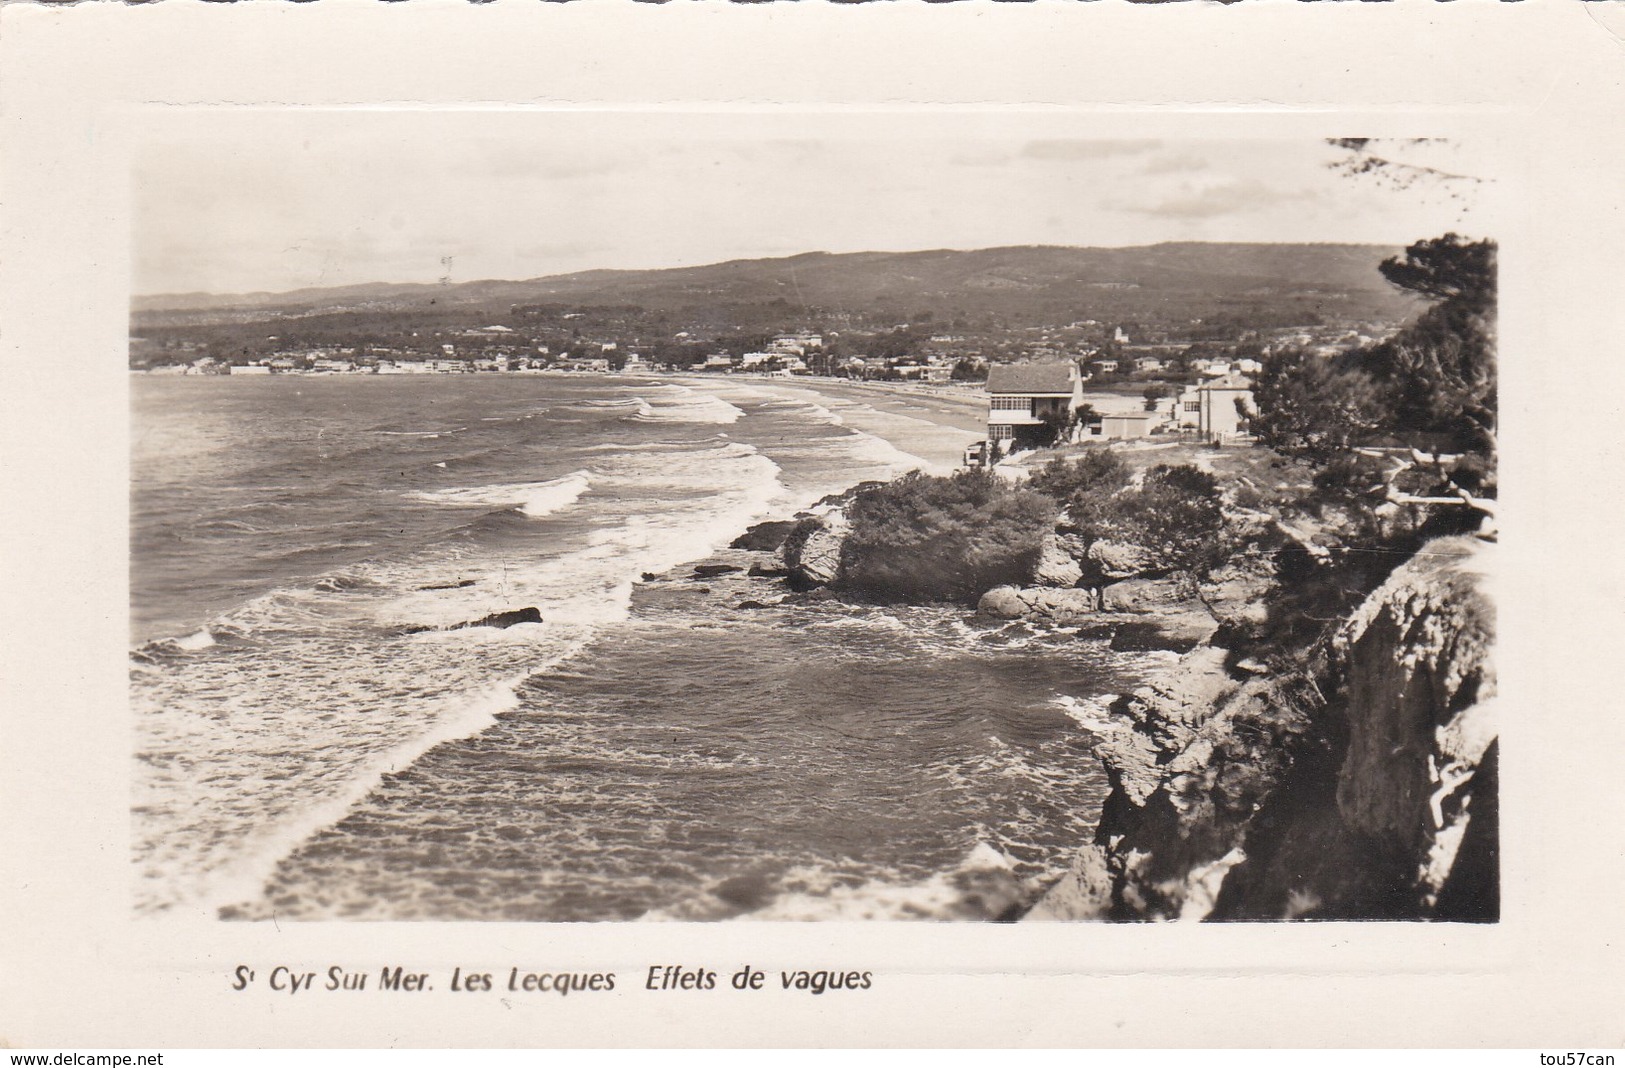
(1086,150)
(1229,198)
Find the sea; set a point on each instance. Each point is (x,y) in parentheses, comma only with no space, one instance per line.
(316,739)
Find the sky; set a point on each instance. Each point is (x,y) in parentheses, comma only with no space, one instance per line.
(272,201)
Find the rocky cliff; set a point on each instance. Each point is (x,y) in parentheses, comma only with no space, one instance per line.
(1357,782)
(1312,754)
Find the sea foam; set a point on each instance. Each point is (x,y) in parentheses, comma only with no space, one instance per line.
(534,499)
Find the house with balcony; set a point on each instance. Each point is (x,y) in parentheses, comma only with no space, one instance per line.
(1025,398)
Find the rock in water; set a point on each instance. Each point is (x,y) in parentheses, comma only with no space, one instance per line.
(463,585)
(1002,602)
(1038,604)
(504,619)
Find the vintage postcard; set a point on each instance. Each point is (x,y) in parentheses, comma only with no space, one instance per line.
(634,525)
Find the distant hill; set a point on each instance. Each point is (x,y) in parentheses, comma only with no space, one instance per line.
(1018,282)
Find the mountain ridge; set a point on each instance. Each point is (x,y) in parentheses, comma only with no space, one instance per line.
(998,279)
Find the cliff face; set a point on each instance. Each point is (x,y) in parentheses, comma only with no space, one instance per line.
(1361,785)
(1419,702)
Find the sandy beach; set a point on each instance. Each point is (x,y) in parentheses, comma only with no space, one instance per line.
(933,422)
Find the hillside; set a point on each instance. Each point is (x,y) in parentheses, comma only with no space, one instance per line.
(1033,283)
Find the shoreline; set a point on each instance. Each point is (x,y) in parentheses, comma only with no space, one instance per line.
(1222,763)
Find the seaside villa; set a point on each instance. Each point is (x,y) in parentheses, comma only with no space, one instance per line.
(1021,397)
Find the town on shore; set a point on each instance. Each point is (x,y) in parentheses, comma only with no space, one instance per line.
(1183,378)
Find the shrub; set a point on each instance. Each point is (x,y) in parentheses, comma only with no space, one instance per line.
(922,538)
(1174,512)
(1098,472)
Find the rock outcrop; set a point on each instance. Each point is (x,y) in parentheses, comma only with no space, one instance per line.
(1136,615)
(1058,562)
(1112,561)
(1358,783)
(504,619)
(1419,701)
(764,537)
(812,551)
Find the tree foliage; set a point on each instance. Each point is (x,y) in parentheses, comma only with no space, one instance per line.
(1058,426)
(1174,512)
(1439,372)
(1099,471)
(1432,385)
(923,538)
(1307,405)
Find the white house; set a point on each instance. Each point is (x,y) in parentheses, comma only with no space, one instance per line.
(1022,397)
(1210,408)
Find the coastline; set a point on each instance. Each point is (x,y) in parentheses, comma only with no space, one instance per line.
(1262,775)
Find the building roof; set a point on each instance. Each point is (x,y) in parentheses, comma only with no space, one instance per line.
(1129,415)
(1229,382)
(1031,378)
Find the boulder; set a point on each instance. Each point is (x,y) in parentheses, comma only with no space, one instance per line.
(1059,606)
(1057,566)
(505,619)
(1146,595)
(1002,602)
(1083,893)
(744,605)
(713,570)
(1173,632)
(812,552)
(1039,604)
(759,571)
(1110,561)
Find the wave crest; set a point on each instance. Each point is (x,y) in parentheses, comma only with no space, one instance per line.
(534,499)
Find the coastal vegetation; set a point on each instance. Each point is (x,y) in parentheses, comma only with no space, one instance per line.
(923,538)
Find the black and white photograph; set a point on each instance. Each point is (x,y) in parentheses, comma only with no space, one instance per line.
(589,518)
(810,525)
